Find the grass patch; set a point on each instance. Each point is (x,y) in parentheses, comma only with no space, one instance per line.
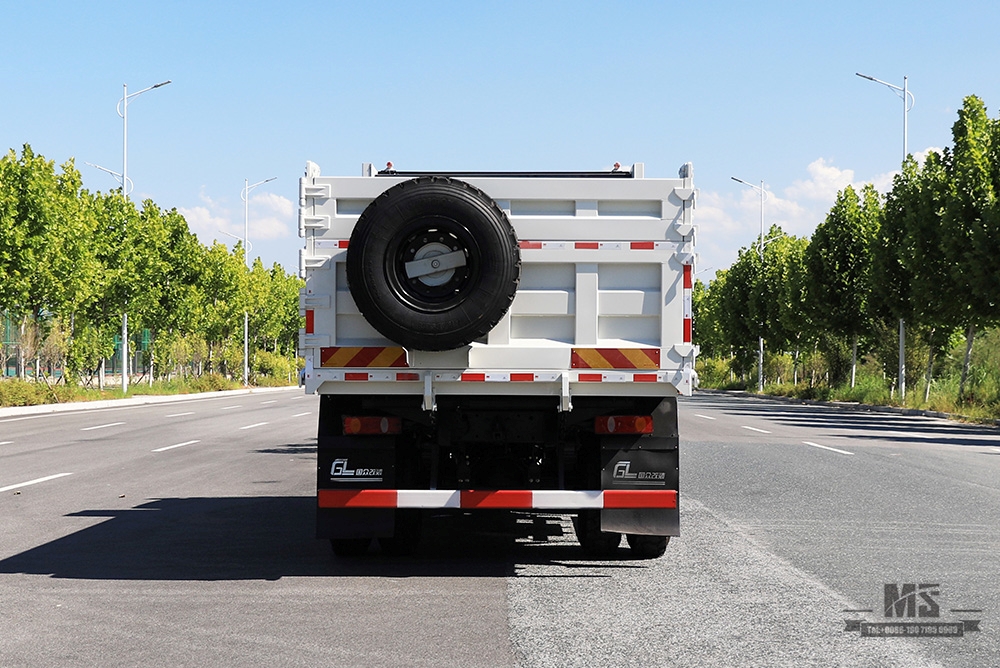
(14,392)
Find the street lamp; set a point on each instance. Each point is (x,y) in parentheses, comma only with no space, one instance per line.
(122,109)
(245,196)
(118,177)
(908,101)
(760,252)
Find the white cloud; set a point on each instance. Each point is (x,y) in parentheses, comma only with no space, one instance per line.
(271,217)
(823,184)
(210,220)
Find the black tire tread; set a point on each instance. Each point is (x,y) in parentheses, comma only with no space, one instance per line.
(409,334)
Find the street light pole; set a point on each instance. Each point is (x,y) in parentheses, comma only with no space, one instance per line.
(760,253)
(908,101)
(245,196)
(123,112)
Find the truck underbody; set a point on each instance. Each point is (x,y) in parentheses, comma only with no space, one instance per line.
(481,451)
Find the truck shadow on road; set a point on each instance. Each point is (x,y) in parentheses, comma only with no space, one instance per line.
(267,538)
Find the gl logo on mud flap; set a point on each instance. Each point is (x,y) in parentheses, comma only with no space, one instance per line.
(622,471)
(341,473)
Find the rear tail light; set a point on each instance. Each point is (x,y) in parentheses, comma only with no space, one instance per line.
(363,426)
(623,424)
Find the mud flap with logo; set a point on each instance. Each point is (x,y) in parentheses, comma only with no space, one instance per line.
(344,464)
(646,463)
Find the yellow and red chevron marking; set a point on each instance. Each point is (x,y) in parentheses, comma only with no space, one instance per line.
(615,358)
(368,356)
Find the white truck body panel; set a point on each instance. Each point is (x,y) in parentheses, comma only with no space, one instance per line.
(606,265)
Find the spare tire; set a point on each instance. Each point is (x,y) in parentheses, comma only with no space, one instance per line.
(433,263)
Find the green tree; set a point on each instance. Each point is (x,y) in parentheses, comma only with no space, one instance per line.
(968,223)
(46,265)
(838,261)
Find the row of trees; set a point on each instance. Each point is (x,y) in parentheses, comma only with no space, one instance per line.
(928,252)
(72,262)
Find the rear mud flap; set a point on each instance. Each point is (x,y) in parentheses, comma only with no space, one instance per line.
(344,464)
(631,468)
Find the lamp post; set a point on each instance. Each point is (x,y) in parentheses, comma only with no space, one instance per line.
(908,101)
(760,252)
(118,177)
(122,109)
(245,196)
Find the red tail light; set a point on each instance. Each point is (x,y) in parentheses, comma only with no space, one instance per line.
(366,426)
(623,424)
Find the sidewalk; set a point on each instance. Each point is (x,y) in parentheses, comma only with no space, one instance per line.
(15,411)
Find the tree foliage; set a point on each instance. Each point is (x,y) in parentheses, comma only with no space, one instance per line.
(72,262)
(929,254)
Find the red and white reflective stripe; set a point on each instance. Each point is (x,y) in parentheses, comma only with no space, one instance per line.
(513,499)
(383,376)
(572,245)
(499,377)
(599,245)
(621,377)
(596,376)
(688,285)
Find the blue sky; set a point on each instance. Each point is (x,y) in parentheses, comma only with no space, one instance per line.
(761,91)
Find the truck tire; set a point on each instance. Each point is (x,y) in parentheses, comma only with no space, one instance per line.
(595,542)
(647,547)
(433,263)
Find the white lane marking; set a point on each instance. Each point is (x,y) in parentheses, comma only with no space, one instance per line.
(102,426)
(179,445)
(6,442)
(34,482)
(181,414)
(994,449)
(258,424)
(703,416)
(226,408)
(755,429)
(827,447)
(296,415)
(272,401)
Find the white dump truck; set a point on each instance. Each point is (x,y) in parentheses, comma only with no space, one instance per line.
(497,340)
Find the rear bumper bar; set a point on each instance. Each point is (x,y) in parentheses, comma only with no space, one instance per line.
(514,499)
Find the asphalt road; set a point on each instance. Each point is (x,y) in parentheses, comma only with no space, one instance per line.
(180,534)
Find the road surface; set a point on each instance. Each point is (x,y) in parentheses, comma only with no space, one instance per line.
(180,534)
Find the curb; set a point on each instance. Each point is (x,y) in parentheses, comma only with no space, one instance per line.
(41,409)
(855,406)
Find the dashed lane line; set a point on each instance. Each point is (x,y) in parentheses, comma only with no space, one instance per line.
(296,415)
(6,442)
(226,408)
(827,447)
(102,426)
(178,445)
(34,482)
(272,401)
(763,431)
(181,414)
(704,417)
(257,424)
